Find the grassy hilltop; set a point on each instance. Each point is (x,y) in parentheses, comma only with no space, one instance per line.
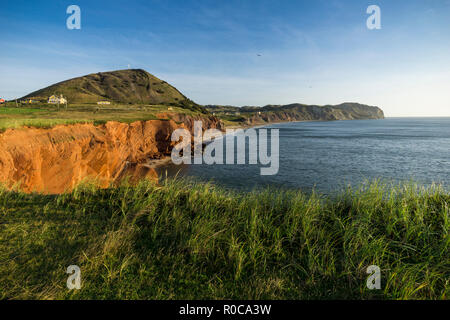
(195,241)
(133,86)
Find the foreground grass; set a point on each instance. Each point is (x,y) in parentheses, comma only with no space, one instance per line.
(195,241)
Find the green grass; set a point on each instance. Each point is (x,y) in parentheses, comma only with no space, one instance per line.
(37,123)
(185,240)
(45,116)
(11,110)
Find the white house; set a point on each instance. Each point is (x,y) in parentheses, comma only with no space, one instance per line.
(57,100)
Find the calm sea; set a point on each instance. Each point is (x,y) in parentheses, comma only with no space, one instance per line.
(329,155)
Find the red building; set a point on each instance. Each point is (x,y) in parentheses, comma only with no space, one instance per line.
(2,100)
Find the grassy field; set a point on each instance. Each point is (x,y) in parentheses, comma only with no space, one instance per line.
(185,240)
(45,115)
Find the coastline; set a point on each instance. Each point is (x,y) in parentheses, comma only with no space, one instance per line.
(158,163)
(261,125)
(164,161)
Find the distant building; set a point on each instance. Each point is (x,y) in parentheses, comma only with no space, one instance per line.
(53,99)
(2,100)
(103,102)
(30,101)
(57,100)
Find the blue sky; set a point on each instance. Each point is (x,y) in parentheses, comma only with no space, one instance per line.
(316,52)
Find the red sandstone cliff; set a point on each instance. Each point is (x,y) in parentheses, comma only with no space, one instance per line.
(55,160)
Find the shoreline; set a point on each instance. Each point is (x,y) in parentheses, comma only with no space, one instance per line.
(158,163)
(279,122)
(164,161)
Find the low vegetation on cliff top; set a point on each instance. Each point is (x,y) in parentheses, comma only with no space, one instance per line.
(183,240)
(47,116)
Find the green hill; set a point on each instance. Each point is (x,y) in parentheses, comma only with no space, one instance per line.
(123,86)
(294,112)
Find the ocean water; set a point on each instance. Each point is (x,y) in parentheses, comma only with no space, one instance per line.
(327,156)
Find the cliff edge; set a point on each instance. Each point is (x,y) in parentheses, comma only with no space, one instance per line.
(56,160)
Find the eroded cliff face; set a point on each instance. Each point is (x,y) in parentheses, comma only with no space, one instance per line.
(57,159)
